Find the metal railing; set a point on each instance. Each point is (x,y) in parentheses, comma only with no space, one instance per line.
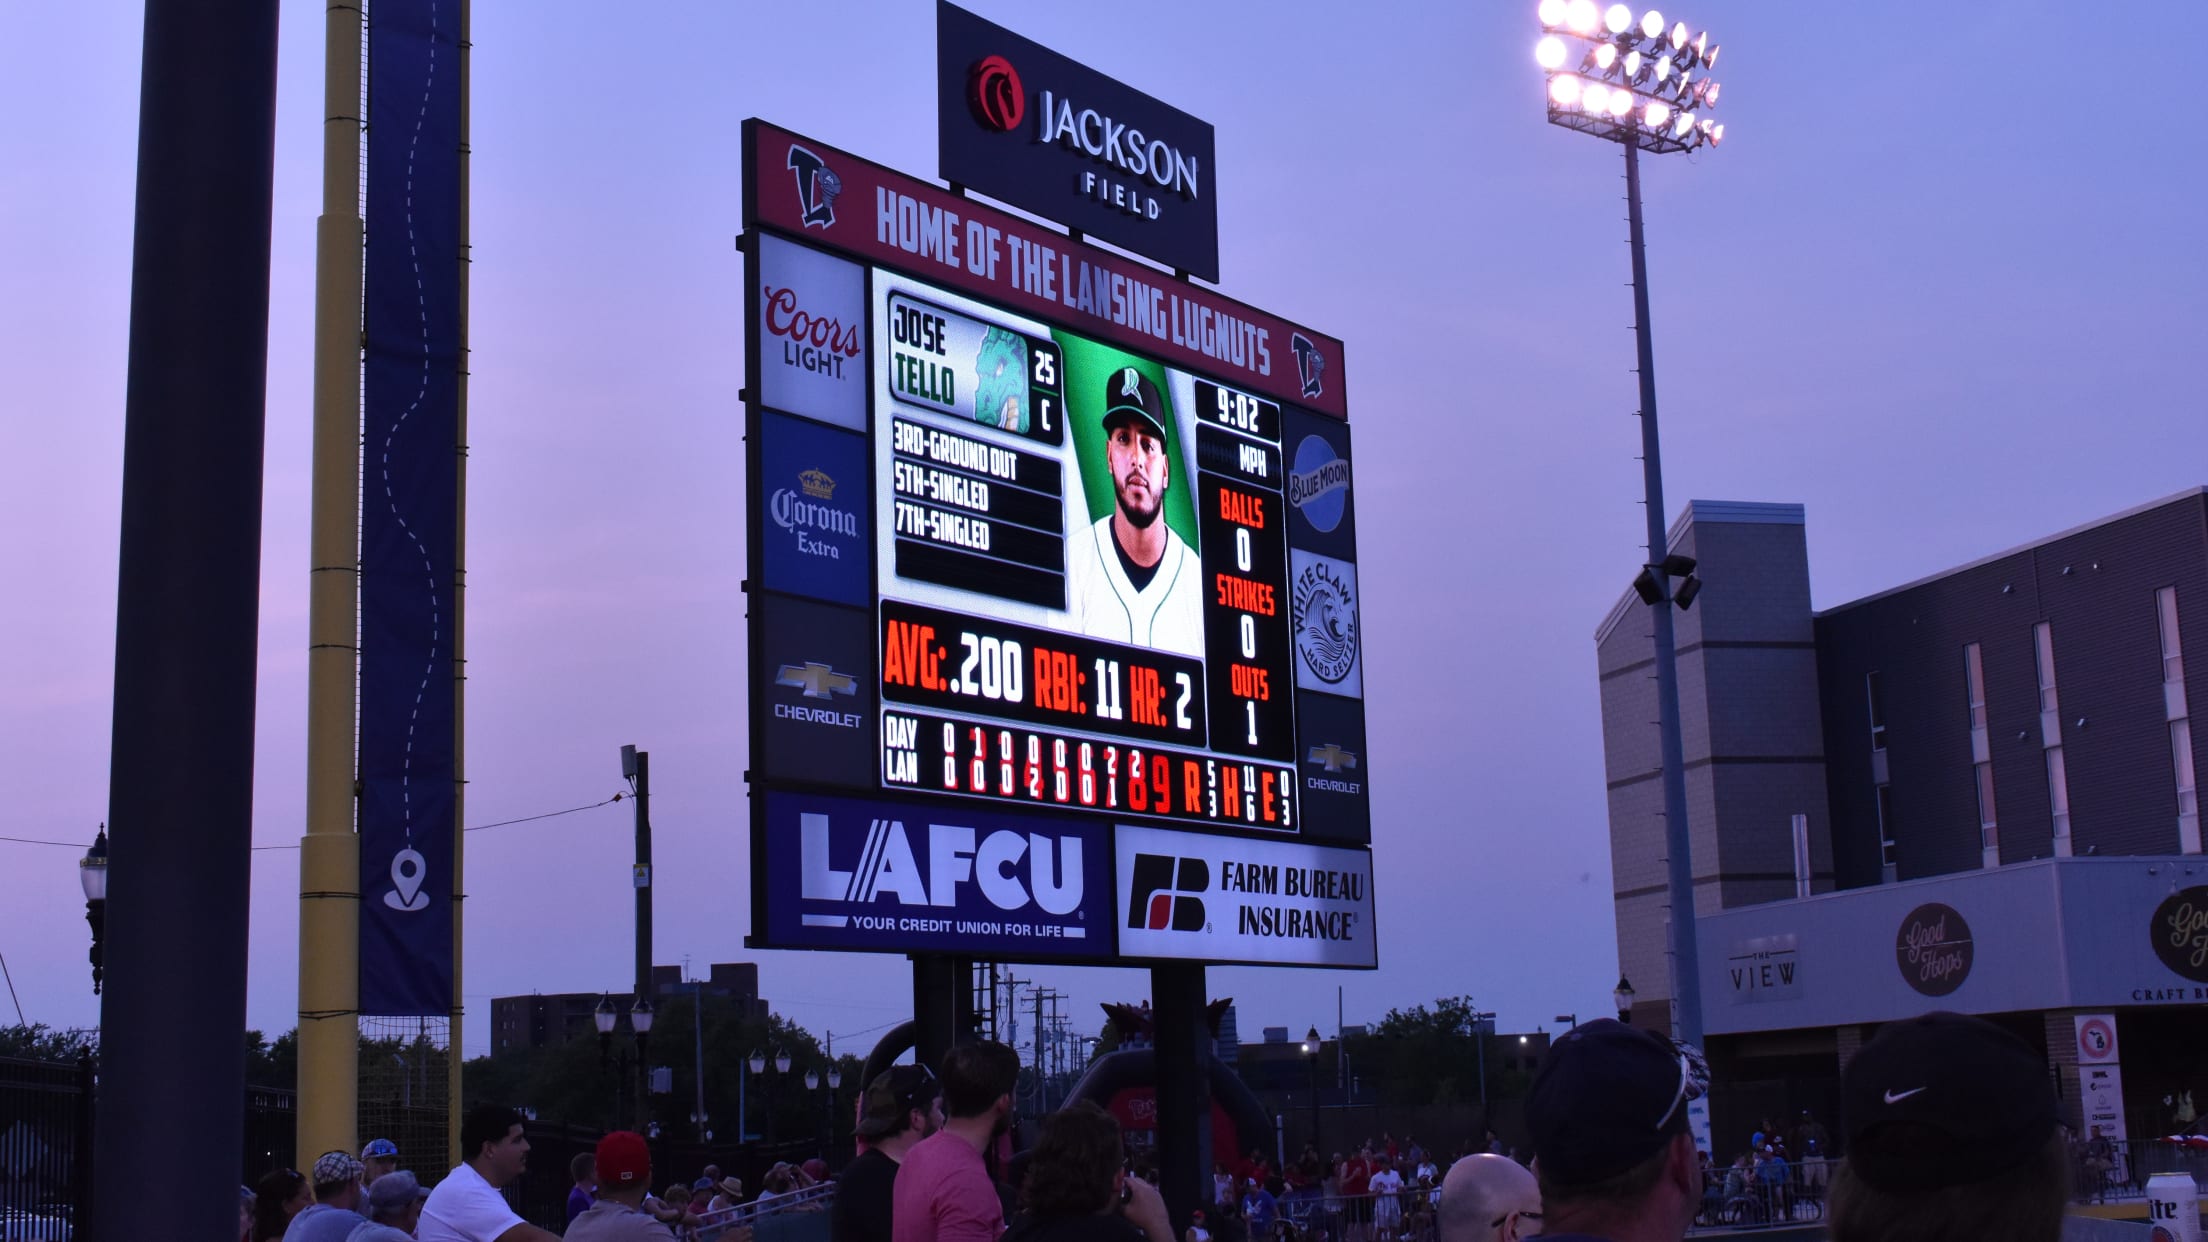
(800,1216)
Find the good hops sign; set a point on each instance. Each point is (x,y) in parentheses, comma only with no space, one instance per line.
(2180,932)
(1933,949)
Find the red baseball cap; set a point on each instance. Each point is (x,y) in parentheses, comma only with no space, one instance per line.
(624,1160)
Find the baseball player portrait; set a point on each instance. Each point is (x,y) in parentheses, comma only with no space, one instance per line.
(1129,577)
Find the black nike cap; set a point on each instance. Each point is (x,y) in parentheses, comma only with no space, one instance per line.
(1944,1100)
(1129,396)
(1607,1097)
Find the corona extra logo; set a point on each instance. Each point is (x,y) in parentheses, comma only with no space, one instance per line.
(817,484)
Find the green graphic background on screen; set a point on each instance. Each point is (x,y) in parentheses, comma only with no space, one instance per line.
(1089,367)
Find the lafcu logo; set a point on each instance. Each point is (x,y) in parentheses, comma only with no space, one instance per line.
(1013,872)
(1163,893)
(817,187)
(994,92)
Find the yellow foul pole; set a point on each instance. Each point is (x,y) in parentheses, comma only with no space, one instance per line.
(460,614)
(329,854)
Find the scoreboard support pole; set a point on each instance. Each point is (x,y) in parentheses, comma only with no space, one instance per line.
(942,1005)
(1178,1005)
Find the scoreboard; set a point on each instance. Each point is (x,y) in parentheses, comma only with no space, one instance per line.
(1038,577)
(1028,654)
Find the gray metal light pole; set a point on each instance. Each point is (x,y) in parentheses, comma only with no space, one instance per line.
(1635,86)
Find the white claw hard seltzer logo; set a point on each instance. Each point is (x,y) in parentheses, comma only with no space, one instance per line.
(1327,642)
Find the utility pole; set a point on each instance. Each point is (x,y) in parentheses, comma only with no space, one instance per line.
(636,765)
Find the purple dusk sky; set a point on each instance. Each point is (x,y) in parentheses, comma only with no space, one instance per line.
(1941,285)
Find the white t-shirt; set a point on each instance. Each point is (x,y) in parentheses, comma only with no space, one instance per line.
(1384,1185)
(464,1208)
(1166,613)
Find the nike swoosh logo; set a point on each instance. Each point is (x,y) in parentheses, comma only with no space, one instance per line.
(1896,1097)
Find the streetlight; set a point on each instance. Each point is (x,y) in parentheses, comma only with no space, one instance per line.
(835,1085)
(640,1021)
(1646,110)
(1624,996)
(92,874)
(781,1066)
(1311,1059)
(757,1064)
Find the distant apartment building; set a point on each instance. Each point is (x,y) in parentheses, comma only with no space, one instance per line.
(543,1020)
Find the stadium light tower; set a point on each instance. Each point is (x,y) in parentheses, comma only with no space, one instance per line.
(1646,87)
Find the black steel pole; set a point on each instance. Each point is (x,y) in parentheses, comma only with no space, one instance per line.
(180,782)
(1686,979)
(643,881)
(1316,1145)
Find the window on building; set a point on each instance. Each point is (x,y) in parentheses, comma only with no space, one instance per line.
(2173,658)
(1886,849)
(2043,646)
(2181,758)
(1986,819)
(1974,679)
(1878,710)
(2058,799)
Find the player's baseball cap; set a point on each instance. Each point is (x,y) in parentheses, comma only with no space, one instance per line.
(623,1160)
(1129,395)
(1944,1100)
(893,1094)
(1607,1097)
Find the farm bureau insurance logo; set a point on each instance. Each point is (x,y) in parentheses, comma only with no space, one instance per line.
(2180,931)
(1318,484)
(931,888)
(809,512)
(1933,949)
(818,187)
(994,92)
(1162,893)
(1326,621)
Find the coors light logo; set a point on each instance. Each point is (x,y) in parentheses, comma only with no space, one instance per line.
(1933,949)
(809,342)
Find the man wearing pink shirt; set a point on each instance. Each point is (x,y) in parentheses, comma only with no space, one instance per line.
(944,1192)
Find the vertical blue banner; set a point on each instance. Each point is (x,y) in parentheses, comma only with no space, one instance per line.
(409,528)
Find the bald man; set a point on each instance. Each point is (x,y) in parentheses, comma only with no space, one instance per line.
(1488,1199)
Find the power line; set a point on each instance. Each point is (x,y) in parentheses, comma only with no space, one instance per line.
(77,845)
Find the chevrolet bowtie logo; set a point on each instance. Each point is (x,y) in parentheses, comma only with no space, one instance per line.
(818,681)
(1334,757)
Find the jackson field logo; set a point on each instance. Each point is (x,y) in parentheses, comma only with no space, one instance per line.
(1326,623)
(1163,893)
(817,187)
(994,92)
(1310,364)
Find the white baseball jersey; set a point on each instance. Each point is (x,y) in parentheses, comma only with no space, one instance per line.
(1167,615)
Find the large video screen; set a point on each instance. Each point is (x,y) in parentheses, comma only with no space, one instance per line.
(1027,585)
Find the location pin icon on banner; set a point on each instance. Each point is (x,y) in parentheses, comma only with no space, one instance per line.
(408,869)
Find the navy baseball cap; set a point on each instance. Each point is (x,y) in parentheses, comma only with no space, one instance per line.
(1609,1096)
(1944,1100)
(1129,396)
